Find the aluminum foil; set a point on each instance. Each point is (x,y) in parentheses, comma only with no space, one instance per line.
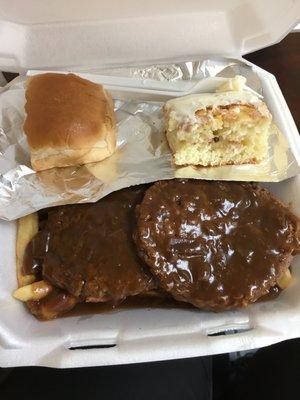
(142,155)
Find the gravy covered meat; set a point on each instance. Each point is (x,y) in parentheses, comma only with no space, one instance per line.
(88,252)
(212,245)
(217,245)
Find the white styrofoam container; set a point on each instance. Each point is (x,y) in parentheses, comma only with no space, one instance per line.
(149,334)
(83,36)
(72,33)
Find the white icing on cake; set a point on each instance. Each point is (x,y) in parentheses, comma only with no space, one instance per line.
(183,109)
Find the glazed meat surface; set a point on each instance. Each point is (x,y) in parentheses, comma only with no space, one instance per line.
(88,251)
(217,245)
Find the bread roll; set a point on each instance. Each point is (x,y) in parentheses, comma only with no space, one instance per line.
(70,121)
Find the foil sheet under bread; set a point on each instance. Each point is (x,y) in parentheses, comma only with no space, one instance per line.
(143,154)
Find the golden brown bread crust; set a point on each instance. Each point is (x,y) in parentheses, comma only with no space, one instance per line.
(69,121)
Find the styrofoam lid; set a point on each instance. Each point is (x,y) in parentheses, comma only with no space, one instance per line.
(93,33)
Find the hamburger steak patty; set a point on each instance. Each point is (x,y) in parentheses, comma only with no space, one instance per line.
(88,250)
(217,245)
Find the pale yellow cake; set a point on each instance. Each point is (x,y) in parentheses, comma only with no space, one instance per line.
(213,129)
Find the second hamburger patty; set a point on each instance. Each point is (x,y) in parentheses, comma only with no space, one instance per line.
(88,250)
(216,245)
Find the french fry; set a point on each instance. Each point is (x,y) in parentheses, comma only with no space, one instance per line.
(30,291)
(285,279)
(34,292)
(27,228)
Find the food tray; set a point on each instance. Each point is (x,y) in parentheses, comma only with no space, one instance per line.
(140,335)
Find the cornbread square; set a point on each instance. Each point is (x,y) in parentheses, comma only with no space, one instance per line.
(214,129)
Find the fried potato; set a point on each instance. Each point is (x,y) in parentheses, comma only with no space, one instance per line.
(34,291)
(27,228)
(285,279)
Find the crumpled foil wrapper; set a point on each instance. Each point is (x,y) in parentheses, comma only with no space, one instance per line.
(143,154)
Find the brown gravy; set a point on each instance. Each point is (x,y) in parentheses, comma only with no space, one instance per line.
(134,302)
(141,301)
(217,245)
(120,253)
